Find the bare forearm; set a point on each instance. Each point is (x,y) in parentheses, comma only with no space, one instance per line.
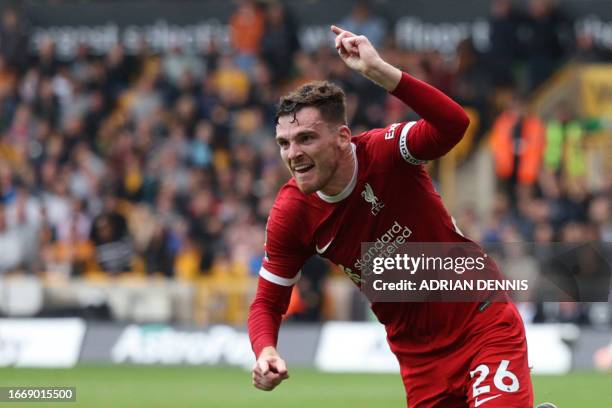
(384,74)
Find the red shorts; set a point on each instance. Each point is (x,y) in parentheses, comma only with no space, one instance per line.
(488,370)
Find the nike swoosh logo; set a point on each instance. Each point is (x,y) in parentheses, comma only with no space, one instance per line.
(321,250)
(482,401)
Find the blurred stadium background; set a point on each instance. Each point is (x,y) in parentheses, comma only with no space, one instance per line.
(137,168)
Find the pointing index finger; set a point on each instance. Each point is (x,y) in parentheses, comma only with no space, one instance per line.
(337,30)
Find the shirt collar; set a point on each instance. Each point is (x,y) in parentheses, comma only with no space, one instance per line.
(348,189)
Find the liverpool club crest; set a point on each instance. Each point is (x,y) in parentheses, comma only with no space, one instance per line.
(370,197)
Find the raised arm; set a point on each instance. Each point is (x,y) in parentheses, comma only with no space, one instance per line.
(443,120)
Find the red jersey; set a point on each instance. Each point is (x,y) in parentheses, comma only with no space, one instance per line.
(390,193)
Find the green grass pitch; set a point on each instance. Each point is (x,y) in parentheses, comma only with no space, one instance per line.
(140,386)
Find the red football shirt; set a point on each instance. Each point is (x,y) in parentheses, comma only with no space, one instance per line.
(389,165)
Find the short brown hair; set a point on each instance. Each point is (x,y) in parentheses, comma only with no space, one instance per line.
(327,97)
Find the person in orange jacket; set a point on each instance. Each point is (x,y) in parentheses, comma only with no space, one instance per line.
(518,142)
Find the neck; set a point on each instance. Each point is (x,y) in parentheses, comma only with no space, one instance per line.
(343,174)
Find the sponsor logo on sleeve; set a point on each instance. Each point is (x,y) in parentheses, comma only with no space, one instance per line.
(403,145)
(390,134)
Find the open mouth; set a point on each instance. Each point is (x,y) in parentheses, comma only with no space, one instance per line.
(304,168)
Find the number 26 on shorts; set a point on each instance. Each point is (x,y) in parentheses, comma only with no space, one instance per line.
(504,379)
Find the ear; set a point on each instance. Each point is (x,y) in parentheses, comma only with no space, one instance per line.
(344,136)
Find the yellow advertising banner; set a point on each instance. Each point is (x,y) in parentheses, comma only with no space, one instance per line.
(596,87)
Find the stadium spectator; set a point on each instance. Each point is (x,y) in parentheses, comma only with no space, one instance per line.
(310,289)
(46,60)
(68,250)
(14,242)
(80,67)
(361,20)
(505,23)
(517,140)
(110,235)
(600,217)
(144,100)
(120,70)
(548,39)
(98,110)
(14,38)
(566,140)
(588,51)
(247,26)
(471,82)
(200,149)
(46,102)
(279,42)
(177,63)
(230,82)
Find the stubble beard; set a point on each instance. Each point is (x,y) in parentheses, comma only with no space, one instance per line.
(321,183)
(318,185)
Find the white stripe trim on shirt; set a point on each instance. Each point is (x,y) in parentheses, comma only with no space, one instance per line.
(270,277)
(403,145)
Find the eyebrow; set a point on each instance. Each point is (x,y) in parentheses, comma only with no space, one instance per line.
(302,133)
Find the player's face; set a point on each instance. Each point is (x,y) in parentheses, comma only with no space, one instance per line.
(310,148)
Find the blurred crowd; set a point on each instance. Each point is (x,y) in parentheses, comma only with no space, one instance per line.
(166,164)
